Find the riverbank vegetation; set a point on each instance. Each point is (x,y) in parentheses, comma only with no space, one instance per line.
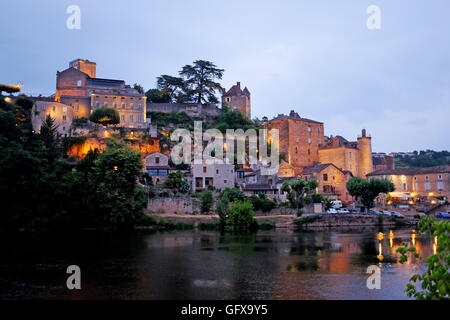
(434,283)
(40,190)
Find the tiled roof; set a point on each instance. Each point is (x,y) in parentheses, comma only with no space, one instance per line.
(236,91)
(411,171)
(315,168)
(338,141)
(294,116)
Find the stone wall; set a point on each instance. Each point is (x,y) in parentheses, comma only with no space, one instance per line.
(207,112)
(174,205)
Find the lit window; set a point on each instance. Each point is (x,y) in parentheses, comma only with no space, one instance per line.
(77,106)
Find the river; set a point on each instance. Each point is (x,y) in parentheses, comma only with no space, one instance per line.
(320,264)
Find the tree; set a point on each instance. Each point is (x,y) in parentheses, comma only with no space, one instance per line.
(435,281)
(240,215)
(176,182)
(138,88)
(171,87)
(8,88)
(199,80)
(297,191)
(367,191)
(105,116)
(51,138)
(261,202)
(207,200)
(157,96)
(226,197)
(117,198)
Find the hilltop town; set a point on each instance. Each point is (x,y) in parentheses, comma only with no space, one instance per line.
(146,123)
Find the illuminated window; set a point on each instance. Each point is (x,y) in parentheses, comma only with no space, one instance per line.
(77,106)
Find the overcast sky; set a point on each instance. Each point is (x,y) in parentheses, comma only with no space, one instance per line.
(317,57)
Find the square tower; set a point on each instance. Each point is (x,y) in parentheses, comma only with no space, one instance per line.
(238,99)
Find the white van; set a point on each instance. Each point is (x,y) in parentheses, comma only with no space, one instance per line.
(336,204)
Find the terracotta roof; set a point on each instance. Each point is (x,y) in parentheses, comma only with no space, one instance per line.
(294,116)
(236,91)
(337,142)
(411,171)
(318,167)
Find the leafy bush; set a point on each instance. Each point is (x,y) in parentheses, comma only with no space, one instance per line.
(240,215)
(261,202)
(207,200)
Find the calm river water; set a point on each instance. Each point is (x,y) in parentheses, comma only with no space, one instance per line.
(319,264)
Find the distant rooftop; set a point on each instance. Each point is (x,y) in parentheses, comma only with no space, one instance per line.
(294,116)
(411,171)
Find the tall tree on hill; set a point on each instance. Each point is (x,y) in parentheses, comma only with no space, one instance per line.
(51,138)
(170,86)
(200,81)
(138,88)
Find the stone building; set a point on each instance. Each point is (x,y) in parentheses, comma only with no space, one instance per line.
(382,161)
(157,167)
(238,99)
(427,182)
(217,175)
(353,156)
(331,180)
(61,113)
(78,86)
(299,139)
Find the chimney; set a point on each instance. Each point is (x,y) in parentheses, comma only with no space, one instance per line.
(238,84)
(363,133)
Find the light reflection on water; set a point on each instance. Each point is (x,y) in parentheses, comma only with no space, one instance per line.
(207,265)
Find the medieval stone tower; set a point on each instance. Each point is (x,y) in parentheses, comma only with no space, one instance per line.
(365,164)
(85,66)
(238,99)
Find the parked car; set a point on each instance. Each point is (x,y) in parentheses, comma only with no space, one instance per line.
(375,212)
(336,204)
(385,213)
(443,215)
(332,210)
(418,215)
(343,211)
(397,215)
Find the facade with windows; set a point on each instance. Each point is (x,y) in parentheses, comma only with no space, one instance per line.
(331,180)
(157,167)
(62,115)
(216,175)
(78,86)
(428,182)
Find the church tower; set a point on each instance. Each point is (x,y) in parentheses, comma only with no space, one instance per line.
(238,99)
(365,163)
